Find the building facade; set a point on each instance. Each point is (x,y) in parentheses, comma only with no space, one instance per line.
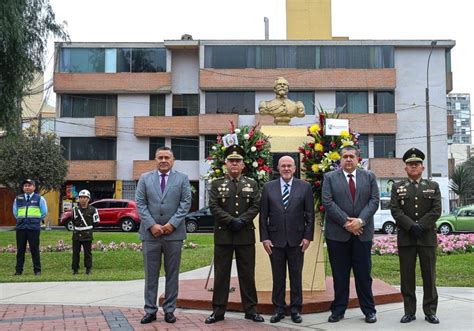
(459,106)
(118,102)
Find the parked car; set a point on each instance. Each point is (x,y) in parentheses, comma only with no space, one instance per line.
(383,220)
(113,213)
(201,219)
(459,220)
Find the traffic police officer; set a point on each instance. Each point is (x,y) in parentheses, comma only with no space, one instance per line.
(29,210)
(234,202)
(85,217)
(416,205)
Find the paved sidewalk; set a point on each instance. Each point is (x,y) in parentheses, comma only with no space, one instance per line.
(119,306)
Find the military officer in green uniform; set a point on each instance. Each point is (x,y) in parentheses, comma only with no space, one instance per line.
(234,202)
(416,205)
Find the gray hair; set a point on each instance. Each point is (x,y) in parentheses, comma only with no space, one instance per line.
(350,148)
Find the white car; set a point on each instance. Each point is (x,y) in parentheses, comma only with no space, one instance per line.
(383,220)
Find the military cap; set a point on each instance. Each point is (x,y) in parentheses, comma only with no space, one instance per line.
(29,181)
(234,152)
(413,155)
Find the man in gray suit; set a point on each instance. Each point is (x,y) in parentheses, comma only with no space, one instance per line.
(163,199)
(286,229)
(351,198)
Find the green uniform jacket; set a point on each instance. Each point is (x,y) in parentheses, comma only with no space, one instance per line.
(410,205)
(227,201)
(84,232)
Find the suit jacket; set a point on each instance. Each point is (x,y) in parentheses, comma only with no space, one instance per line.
(337,201)
(287,226)
(226,202)
(170,206)
(410,205)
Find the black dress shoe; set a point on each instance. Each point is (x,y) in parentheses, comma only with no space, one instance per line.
(370,318)
(277,317)
(408,318)
(17,273)
(213,319)
(75,272)
(148,318)
(335,318)
(170,318)
(254,317)
(296,318)
(88,271)
(37,273)
(432,319)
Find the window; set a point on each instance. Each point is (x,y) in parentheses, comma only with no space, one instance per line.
(88,105)
(82,60)
(384,204)
(155,143)
(101,204)
(229,57)
(307,98)
(242,103)
(185,149)
(185,104)
(141,60)
(384,102)
(89,148)
(118,204)
(384,146)
(352,102)
(364,146)
(157,105)
(209,141)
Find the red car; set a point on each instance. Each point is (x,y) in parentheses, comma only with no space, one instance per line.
(112,212)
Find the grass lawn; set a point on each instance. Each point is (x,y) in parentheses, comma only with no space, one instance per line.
(452,270)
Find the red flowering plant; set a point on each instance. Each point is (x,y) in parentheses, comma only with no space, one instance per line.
(257,159)
(321,155)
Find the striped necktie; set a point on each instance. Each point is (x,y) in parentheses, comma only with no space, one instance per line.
(286,195)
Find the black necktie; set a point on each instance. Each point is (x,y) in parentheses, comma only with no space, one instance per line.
(27,198)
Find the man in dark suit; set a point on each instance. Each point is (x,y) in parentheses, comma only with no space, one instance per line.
(351,198)
(163,199)
(416,205)
(234,203)
(286,230)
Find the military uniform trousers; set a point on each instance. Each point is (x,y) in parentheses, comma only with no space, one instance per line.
(427,256)
(76,251)
(245,259)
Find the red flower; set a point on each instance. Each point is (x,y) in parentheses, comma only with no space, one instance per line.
(333,144)
(260,162)
(219,139)
(360,159)
(266,168)
(311,145)
(251,133)
(317,183)
(321,208)
(259,144)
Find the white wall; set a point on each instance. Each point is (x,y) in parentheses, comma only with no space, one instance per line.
(75,127)
(185,72)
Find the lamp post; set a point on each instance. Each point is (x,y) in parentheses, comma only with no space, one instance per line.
(427,102)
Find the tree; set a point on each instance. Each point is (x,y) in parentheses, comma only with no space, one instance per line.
(25,26)
(462,182)
(28,156)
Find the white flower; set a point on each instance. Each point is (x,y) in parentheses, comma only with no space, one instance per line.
(237,131)
(331,167)
(253,148)
(246,136)
(214,148)
(255,164)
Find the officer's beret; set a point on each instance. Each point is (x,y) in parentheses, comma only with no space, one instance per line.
(29,181)
(413,155)
(234,152)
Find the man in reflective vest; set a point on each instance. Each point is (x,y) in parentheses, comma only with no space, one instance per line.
(29,210)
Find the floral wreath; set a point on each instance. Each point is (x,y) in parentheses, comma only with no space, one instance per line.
(322,154)
(257,159)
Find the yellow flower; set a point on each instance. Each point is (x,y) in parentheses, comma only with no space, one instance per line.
(318,147)
(345,134)
(314,128)
(218,171)
(315,167)
(334,156)
(223,148)
(347,143)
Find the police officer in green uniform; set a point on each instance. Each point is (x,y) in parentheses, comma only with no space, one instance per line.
(85,217)
(416,205)
(234,202)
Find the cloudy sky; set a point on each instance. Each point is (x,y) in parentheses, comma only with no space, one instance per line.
(155,21)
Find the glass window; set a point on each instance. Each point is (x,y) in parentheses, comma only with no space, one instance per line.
(117,204)
(352,102)
(229,57)
(384,204)
(141,60)
(100,204)
(185,149)
(384,102)
(89,148)
(307,98)
(155,143)
(384,146)
(209,141)
(185,104)
(242,103)
(364,146)
(124,60)
(157,105)
(88,105)
(111,60)
(82,60)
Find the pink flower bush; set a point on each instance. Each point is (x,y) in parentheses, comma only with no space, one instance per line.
(447,244)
